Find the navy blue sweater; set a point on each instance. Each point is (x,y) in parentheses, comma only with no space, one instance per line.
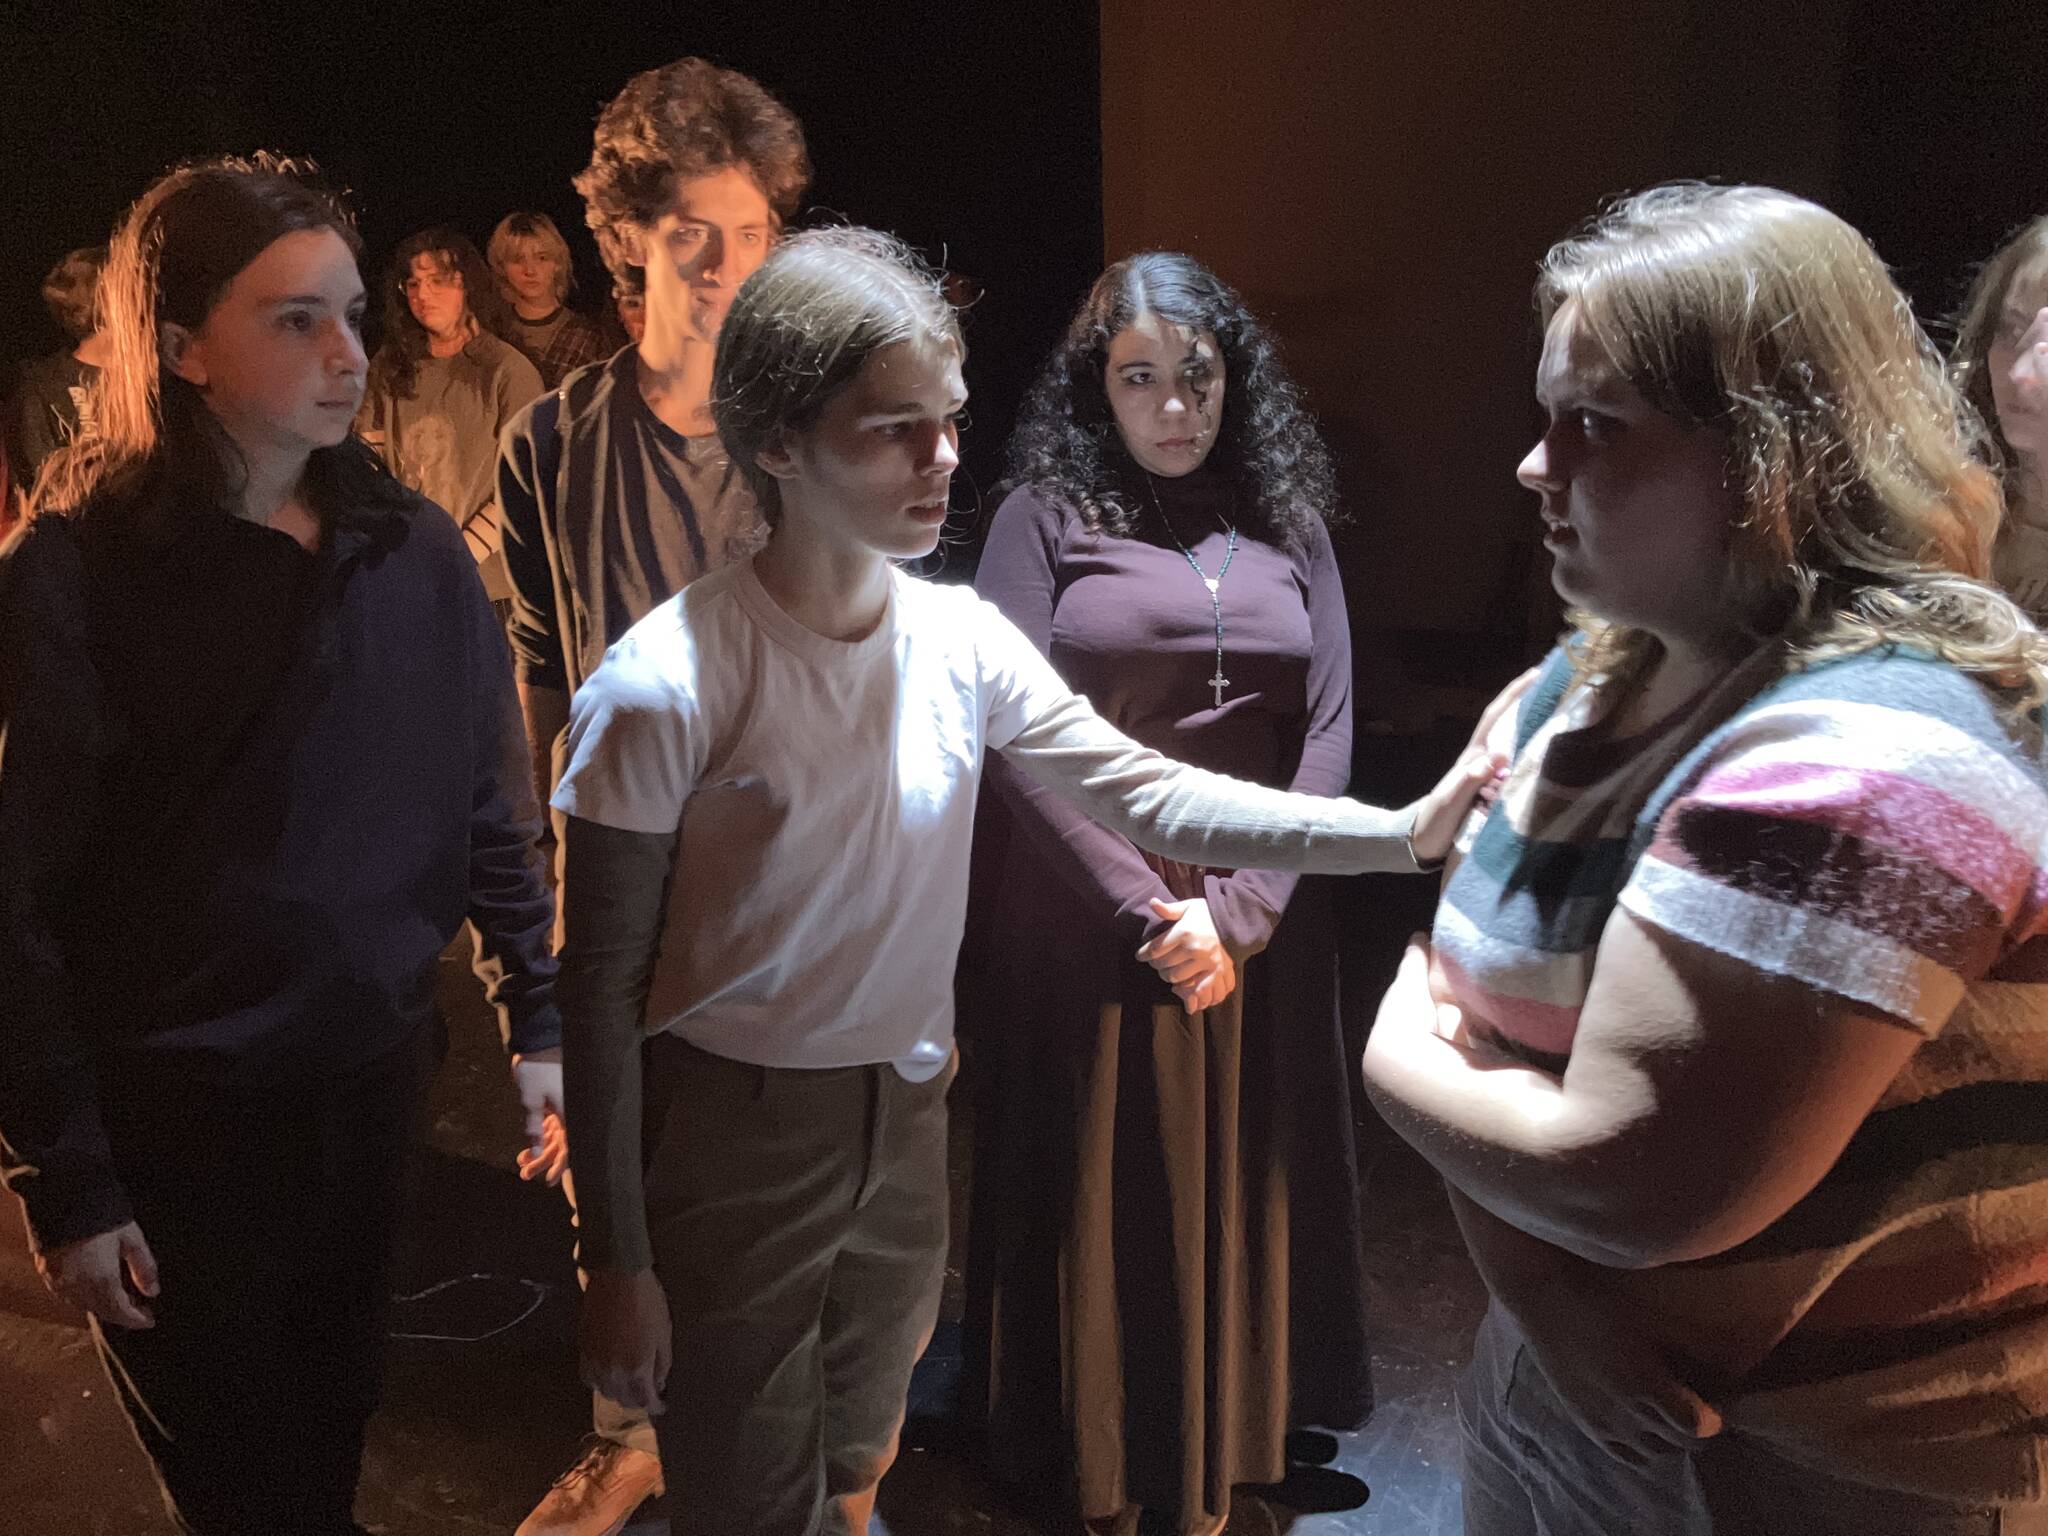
(247,797)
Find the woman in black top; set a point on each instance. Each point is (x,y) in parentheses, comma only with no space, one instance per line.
(262,758)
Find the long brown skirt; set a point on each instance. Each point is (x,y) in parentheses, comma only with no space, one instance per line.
(1164,1270)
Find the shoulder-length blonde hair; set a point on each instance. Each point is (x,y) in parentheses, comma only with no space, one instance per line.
(1867,516)
(513,231)
(803,325)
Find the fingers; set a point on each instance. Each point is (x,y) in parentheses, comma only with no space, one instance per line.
(1687,1413)
(1170,910)
(108,1299)
(1171,942)
(1208,989)
(140,1262)
(547,1163)
(1184,969)
(548,1156)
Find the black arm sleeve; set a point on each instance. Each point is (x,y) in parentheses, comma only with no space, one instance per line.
(614,892)
(53,1145)
(526,467)
(509,905)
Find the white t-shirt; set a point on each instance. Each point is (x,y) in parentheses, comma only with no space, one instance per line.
(823,792)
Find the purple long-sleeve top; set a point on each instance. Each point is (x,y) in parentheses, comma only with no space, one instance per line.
(1127,622)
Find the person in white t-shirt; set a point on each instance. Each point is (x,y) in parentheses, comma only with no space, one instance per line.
(768,807)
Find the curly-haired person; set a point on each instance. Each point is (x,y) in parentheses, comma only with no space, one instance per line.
(445,384)
(1163,1040)
(616,492)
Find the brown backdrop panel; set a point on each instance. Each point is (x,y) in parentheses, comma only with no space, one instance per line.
(1380,179)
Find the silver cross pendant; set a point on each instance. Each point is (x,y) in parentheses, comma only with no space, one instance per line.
(1219,682)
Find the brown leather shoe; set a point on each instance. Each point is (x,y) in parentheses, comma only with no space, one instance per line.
(598,1495)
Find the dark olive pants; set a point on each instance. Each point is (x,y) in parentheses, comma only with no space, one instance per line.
(799,1227)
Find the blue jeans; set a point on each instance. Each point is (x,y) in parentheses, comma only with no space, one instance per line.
(1531,1471)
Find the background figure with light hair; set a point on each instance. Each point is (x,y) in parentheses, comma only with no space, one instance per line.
(2001,362)
(535,276)
(52,395)
(1731,1039)
(617,493)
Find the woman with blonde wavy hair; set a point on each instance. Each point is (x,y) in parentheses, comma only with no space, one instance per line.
(1731,1039)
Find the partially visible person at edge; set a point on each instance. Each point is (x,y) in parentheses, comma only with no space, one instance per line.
(2001,362)
(629,312)
(1165,1267)
(263,758)
(767,810)
(530,260)
(51,392)
(617,493)
(445,384)
(1732,1038)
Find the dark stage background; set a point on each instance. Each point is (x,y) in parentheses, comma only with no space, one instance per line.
(1379,179)
(970,130)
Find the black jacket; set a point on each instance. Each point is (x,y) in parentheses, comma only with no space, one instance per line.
(247,797)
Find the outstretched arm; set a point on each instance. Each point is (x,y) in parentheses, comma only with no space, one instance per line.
(1208,818)
(1019,576)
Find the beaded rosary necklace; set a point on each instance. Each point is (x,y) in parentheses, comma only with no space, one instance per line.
(1214,583)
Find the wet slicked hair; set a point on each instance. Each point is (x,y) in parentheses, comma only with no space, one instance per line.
(804,325)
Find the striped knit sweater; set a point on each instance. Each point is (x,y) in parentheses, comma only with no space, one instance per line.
(1873,827)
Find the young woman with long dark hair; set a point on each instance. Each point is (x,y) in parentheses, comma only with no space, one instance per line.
(263,757)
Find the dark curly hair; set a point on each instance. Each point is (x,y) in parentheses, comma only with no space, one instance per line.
(1066,440)
(678,122)
(396,367)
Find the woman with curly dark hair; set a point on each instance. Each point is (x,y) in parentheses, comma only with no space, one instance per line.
(1158,1037)
(445,384)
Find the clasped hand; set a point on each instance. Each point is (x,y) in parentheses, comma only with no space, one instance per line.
(1191,956)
